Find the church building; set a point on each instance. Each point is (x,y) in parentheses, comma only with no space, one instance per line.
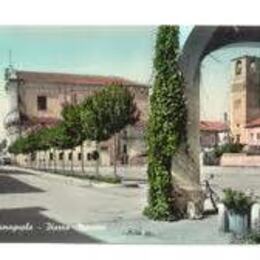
(37,99)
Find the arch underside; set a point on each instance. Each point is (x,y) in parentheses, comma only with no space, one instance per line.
(202,41)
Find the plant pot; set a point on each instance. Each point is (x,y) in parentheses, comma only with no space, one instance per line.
(238,223)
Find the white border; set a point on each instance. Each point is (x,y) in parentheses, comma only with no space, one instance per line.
(122,12)
(153,252)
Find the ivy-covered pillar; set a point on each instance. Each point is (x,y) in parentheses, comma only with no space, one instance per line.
(173,134)
(166,133)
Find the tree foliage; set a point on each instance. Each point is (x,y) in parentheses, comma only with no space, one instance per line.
(108,112)
(167,124)
(18,146)
(72,126)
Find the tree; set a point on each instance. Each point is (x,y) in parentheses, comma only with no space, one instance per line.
(73,130)
(166,126)
(44,141)
(106,113)
(56,138)
(25,145)
(17,147)
(98,118)
(31,145)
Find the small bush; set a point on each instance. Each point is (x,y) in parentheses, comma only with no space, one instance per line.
(212,157)
(237,202)
(228,148)
(249,238)
(253,238)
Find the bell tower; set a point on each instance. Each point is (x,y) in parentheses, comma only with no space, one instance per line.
(245,95)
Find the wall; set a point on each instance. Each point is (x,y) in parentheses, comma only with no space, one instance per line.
(208,139)
(253,136)
(58,94)
(42,159)
(239,159)
(136,146)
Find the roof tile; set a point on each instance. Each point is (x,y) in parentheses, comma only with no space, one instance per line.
(73,79)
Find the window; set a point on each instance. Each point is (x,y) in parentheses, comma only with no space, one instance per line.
(79,156)
(238,68)
(95,155)
(61,156)
(258,136)
(238,138)
(42,103)
(51,156)
(252,136)
(70,156)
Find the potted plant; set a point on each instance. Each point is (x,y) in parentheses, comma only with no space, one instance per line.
(238,205)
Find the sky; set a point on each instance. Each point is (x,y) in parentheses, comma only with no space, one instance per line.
(125,51)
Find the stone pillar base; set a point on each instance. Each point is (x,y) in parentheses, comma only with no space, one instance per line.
(189,202)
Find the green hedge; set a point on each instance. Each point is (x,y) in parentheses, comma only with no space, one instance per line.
(228,148)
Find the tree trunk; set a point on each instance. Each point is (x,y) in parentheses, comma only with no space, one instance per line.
(82,157)
(55,162)
(115,154)
(38,156)
(98,158)
(49,161)
(30,160)
(45,159)
(63,161)
(71,162)
(42,152)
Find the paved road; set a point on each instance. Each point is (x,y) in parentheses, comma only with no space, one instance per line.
(241,178)
(99,213)
(52,206)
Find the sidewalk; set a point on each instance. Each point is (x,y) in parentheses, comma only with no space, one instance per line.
(144,231)
(62,178)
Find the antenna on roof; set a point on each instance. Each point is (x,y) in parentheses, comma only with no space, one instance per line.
(10,58)
(9,71)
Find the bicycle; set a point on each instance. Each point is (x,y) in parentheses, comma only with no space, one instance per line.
(211,194)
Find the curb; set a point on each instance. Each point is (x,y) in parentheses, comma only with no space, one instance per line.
(65,179)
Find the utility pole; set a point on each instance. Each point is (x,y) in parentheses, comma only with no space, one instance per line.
(10,58)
